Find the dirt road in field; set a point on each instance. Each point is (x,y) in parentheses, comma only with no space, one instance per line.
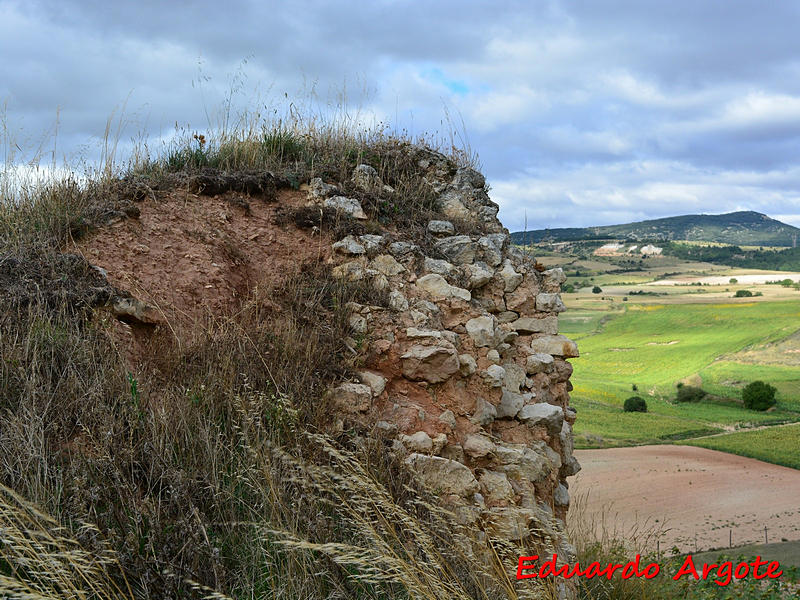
(688,494)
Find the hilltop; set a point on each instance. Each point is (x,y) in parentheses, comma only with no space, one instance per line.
(748,228)
(285,362)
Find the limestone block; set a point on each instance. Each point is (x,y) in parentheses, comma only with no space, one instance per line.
(511,403)
(439,441)
(490,251)
(433,364)
(444,475)
(481,330)
(448,418)
(437,287)
(552,279)
(350,206)
(459,249)
(494,375)
(549,303)
(555,345)
(418,442)
(561,495)
(515,377)
(507,316)
(477,446)
(319,189)
(523,298)
(467,364)
(352,397)
(398,249)
(366,178)
(510,523)
(543,414)
(485,412)
(372,243)
(349,271)
(571,467)
(495,486)
(375,381)
(441,227)
(567,444)
(538,363)
(526,463)
(349,245)
(397,301)
(511,278)
(386,264)
(528,325)
(440,267)
(478,274)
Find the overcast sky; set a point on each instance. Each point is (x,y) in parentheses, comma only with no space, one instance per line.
(583,112)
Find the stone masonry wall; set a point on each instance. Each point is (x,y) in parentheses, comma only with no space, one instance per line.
(465,370)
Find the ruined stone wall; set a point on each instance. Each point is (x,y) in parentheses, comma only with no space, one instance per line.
(465,370)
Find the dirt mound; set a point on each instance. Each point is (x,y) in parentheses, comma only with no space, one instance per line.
(193,255)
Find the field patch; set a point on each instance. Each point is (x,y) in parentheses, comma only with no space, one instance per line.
(646,349)
(779,445)
(694,496)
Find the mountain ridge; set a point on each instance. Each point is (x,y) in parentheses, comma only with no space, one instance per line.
(749,228)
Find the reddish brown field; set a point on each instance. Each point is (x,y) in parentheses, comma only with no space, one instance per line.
(698,497)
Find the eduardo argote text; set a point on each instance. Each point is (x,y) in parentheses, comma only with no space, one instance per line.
(723,573)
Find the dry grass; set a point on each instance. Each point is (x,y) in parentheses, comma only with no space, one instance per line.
(203,467)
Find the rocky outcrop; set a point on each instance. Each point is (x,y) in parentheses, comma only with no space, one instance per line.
(464,367)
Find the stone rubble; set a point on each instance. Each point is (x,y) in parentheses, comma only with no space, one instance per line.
(465,367)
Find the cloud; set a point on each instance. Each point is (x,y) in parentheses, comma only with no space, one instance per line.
(584,112)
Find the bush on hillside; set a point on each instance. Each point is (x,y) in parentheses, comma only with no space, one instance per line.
(635,404)
(690,393)
(743,294)
(596,289)
(758,395)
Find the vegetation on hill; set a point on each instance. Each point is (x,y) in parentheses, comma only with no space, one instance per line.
(758,395)
(772,444)
(738,228)
(199,470)
(779,260)
(658,345)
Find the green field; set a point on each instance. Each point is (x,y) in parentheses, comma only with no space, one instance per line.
(727,377)
(779,445)
(654,337)
(656,345)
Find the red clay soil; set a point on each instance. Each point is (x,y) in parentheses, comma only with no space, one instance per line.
(191,256)
(691,491)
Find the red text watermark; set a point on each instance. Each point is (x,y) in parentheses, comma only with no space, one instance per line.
(723,573)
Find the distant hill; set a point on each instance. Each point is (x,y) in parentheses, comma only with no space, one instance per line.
(744,228)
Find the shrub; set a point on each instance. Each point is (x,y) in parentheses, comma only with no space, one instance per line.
(758,395)
(596,289)
(743,294)
(635,404)
(690,393)
(569,288)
